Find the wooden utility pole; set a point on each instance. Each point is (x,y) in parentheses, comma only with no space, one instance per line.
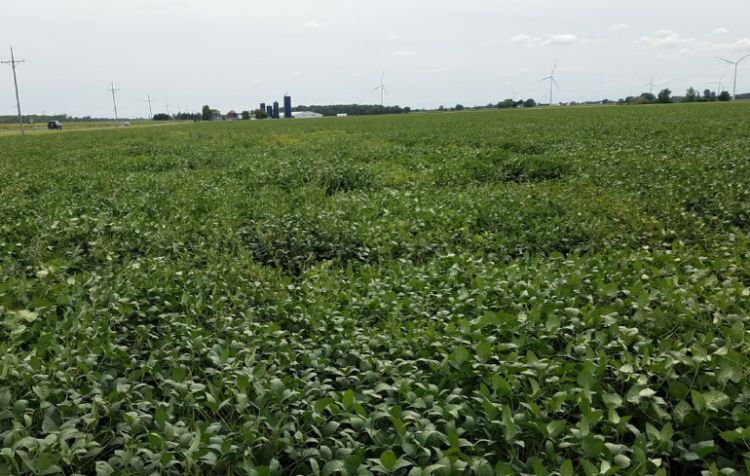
(114,101)
(13,64)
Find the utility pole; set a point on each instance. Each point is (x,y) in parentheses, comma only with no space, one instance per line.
(150,113)
(114,101)
(13,64)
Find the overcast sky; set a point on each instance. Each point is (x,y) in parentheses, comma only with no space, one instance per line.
(237,53)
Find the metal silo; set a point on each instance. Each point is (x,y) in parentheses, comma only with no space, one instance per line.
(287,107)
(269,111)
(276,109)
(262,107)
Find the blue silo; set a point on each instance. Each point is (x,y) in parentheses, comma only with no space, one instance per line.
(276,109)
(287,107)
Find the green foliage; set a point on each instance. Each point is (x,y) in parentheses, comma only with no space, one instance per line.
(665,96)
(353,109)
(691,95)
(553,291)
(206,113)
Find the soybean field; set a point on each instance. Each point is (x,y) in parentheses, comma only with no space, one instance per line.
(555,291)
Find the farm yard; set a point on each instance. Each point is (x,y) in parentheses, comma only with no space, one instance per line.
(551,292)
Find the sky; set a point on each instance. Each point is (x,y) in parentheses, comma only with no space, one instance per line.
(234,54)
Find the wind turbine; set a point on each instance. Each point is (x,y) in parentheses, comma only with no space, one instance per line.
(149,101)
(552,82)
(721,86)
(382,89)
(736,64)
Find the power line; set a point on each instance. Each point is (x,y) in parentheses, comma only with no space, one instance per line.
(13,64)
(114,101)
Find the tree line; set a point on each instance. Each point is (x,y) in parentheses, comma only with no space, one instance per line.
(665,97)
(44,118)
(353,109)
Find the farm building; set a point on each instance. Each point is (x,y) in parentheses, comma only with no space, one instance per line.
(306,115)
(232,116)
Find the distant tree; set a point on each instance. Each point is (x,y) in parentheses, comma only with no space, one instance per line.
(665,96)
(352,109)
(506,104)
(459,107)
(725,96)
(206,113)
(245,115)
(649,97)
(529,103)
(162,117)
(260,114)
(691,95)
(441,108)
(709,95)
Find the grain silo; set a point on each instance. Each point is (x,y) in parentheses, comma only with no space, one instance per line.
(287,107)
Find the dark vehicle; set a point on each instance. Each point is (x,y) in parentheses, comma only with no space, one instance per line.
(52,125)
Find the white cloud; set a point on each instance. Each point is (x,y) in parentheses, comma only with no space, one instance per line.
(296,73)
(437,70)
(670,40)
(547,40)
(666,39)
(520,39)
(313,25)
(561,40)
(618,27)
(405,53)
(739,45)
(720,31)
(393,37)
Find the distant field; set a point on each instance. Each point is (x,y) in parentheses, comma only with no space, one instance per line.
(561,291)
(41,128)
